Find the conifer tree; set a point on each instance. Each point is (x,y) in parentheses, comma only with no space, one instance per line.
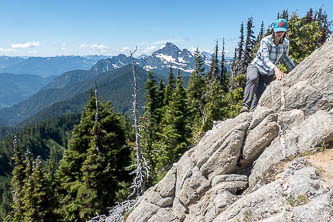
(160,92)
(224,78)
(249,44)
(238,62)
(94,161)
(150,120)
(195,91)
(260,36)
(214,104)
(214,66)
(285,14)
(169,87)
(17,182)
(198,65)
(173,142)
(37,205)
(28,202)
(241,43)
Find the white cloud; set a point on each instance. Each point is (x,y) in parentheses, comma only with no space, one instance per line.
(100,47)
(25,45)
(149,49)
(7,50)
(124,49)
(82,46)
(96,46)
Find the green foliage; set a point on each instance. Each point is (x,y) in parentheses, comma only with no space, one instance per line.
(17,181)
(36,199)
(195,92)
(234,98)
(175,132)
(213,106)
(94,164)
(150,121)
(169,87)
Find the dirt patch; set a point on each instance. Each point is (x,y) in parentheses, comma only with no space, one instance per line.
(323,161)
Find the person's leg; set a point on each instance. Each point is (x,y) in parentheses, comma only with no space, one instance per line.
(264,81)
(252,76)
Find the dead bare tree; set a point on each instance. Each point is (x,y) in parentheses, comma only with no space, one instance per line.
(116,213)
(142,170)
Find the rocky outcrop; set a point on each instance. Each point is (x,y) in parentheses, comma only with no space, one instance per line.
(250,168)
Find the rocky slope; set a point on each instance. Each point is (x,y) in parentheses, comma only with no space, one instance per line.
(252,167)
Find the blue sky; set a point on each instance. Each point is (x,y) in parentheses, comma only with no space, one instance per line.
(110,27)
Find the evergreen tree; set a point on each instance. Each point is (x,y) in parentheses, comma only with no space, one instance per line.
(160,93)
(214,66)
(17,182)
(169,87)
(150,120)
(249,44)
(199,63)
(260,36)
(224,75)
(28,202)
(214,104)
(241,43)
(238,62)
(195,91)
(37,205)
(92,168)
(285,14)
(173,142)
(321,17)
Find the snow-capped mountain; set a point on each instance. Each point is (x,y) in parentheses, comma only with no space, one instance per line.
(159,62)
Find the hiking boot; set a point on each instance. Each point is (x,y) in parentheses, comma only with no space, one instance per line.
(244,109)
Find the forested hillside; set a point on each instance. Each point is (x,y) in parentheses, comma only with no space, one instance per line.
(115,85)
(16,88)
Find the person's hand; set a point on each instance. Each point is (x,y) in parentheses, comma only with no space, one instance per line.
(278,74)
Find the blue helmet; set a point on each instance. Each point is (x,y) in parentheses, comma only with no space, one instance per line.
(280,25)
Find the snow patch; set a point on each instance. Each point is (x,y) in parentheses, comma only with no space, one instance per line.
(166,58)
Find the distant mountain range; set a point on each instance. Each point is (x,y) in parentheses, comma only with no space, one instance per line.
(69,91)
(15,88)
(54,100)
(47,66)
(159,62)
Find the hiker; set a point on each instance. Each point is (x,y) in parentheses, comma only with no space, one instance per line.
(260,72)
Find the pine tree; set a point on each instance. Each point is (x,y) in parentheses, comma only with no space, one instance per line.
(239,54)
(260,36)
(214,104)
(195,91)
(28,202)
(285,15)
(169,87)
(160,93)
(175,132)
(95,158)
(249,44)
(37,205)
(214,66)
(241,43)
(199,63)
(224,75)
(150,120)
(17,182)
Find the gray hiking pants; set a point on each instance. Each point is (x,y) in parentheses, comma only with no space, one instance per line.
(256,84)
